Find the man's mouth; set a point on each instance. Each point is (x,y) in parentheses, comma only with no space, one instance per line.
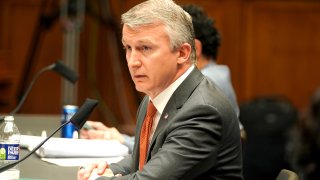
(139,77)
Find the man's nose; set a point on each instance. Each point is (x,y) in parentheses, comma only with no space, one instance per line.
(134,59)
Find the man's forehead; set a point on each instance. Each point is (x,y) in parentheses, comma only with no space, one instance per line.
(138,41)
(142,34)
(142,28)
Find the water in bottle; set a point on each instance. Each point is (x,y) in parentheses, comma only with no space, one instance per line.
(9,148)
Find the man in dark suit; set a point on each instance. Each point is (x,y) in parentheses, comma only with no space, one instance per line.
(194,132)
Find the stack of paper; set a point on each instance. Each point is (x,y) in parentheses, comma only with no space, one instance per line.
(75,148)
(69,162)
(29,142)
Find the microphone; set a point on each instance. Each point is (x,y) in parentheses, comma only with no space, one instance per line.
(64,71)
(57,67)
(78,119)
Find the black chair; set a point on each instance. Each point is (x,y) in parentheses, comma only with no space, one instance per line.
(266,121)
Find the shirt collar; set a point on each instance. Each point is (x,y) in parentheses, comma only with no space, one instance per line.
(162,99)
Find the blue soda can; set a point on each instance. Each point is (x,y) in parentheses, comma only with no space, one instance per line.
(68,130)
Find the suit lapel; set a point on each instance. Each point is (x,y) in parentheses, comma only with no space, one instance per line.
(178,98)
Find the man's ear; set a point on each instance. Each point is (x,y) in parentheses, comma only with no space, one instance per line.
(184,53)
(198,48)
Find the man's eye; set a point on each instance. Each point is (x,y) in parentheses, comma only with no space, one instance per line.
(145,48)
(126,48)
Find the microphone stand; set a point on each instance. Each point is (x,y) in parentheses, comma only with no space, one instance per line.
(57,67)
(23,98)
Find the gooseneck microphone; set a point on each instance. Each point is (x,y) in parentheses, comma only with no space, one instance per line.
(64,71)
(78,119)
(57,67)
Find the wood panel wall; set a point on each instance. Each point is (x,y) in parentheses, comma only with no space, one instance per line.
(271,47)
(282,53)
(5,74)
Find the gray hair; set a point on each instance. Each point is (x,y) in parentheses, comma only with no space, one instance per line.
(178,23)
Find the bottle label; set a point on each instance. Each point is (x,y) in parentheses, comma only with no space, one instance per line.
(9,151)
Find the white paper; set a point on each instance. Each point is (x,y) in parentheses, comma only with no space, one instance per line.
(29,142)
(80,161)
(72,148)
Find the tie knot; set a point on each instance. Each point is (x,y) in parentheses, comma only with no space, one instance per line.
(151,110)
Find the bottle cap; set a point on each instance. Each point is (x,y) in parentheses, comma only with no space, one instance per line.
(8,118)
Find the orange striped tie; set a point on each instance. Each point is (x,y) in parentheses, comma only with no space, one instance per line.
(145,133)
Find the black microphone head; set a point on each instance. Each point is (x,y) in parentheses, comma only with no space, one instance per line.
(66,72)
(80,118)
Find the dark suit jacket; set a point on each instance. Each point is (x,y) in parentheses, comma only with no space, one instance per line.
(197,137)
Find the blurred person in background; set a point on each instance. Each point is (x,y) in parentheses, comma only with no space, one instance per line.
(305,149)
(208,41)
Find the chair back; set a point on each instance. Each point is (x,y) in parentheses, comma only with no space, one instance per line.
(267,122)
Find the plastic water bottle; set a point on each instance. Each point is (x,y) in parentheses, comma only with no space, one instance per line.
(9,148)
